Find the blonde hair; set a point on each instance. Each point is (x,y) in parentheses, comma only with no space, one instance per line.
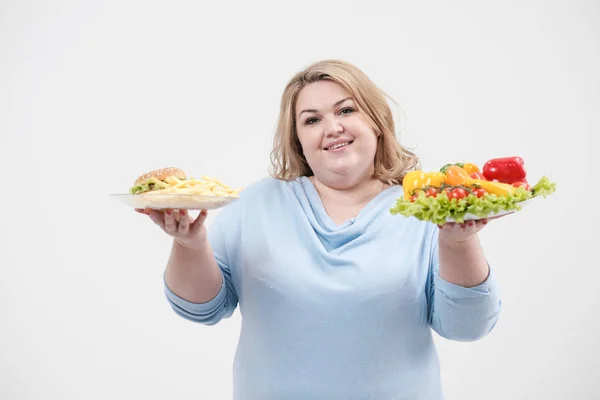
(392,161)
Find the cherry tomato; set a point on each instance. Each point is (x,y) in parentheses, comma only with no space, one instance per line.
(458,193)
(524,185)
(431,192)
(479,192)
(413,197)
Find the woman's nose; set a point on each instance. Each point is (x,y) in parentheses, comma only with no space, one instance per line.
(333,127)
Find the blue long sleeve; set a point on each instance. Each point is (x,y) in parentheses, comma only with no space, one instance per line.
(459,313)
(221,306)
(335,311)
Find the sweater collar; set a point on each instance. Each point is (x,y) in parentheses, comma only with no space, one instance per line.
(332,235)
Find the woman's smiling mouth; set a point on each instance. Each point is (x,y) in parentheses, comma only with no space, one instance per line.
(338,145)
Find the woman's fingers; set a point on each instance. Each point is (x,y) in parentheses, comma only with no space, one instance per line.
(170,222)
(184,223)
(176,223)
(146,211)
(463,225)
(157,217)
(199,221)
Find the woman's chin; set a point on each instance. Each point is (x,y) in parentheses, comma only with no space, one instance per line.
(340,169)
(341,176)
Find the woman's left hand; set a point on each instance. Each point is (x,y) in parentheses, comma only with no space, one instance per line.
(460,232)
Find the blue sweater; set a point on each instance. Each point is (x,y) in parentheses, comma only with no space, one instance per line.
(335,312)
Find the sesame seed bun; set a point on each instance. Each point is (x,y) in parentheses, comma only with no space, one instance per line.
(161,174)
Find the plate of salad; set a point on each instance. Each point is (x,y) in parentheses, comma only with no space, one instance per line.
(459,191)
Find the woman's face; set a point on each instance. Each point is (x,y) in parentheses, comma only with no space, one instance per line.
(338,143)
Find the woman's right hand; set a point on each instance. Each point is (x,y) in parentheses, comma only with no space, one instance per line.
(187,231)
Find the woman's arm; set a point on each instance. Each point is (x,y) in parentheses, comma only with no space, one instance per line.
(462,260)
(193,273)
(463,295)
(198,283)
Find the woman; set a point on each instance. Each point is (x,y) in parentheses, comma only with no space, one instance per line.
(338,297)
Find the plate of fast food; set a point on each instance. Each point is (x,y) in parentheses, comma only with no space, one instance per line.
(460,191)
(171,188)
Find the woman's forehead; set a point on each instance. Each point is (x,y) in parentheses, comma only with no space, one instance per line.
(321,95)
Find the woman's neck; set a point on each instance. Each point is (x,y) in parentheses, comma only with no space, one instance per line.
(343,204)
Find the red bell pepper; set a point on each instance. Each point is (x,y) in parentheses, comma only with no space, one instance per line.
(478,175)
(505,169)
(524,184)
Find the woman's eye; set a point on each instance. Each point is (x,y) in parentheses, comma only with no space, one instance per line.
(346,110)
(311,121)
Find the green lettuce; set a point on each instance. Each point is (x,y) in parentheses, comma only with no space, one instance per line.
(149,186)
(438,209)
(145,187)
(544,187)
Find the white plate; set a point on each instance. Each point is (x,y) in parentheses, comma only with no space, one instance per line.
(174,201)
(471,217)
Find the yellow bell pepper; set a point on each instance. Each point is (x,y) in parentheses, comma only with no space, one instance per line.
(497,188)
(435,179)
(470,168)
(413,180)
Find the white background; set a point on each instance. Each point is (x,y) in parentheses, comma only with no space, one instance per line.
(92,94)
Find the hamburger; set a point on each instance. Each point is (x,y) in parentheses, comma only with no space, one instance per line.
(156,180)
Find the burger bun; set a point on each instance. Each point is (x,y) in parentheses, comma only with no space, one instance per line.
(161,174)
